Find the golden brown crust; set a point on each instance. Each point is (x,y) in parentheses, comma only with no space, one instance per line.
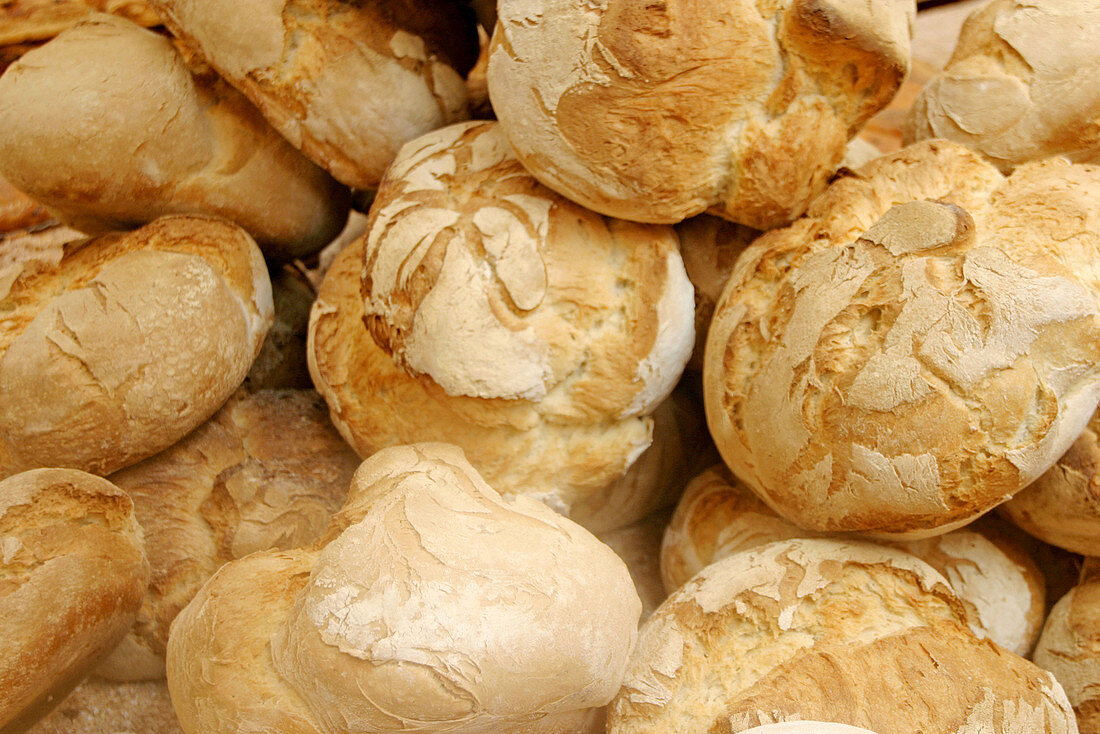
(103,707)
(72,575)
(916,349)
(37,20)
(108,127)
(1068,648)
(401,606)
(820,629)
(732,107)
(266,472)
(324,73)
(128,343)
(18,211)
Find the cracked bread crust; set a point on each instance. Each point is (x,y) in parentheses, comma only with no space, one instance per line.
(72,575)
(37,20)
(732,107)
(431,604)
(917,349)
(346,83)
(828,630)
(128,343)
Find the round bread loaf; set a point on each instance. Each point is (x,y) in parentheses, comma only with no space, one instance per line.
(822,630)
(1070,649)
(918,348)
(347,83)
(710,246)
(267,471)
(127,344)
(37,20)
(1062,507)
(659,111)
(1022,84)
(995,578)
(107,127)
(536,335)
(432,604)
(103,707)
(72,574)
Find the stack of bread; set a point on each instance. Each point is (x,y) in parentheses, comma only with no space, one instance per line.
(325,409)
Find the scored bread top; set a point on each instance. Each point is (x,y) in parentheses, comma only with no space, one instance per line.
(918,348)
(128,343)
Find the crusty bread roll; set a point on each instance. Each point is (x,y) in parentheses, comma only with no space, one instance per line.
(72,574)
(107,127)
(821,630)
(103,707)
(806,727)
(432,604)
(127,344)
(267,471)
(1000,585)
(1070,648)
(347,83)
(659,111)
(536,335)
(1061,506)
(710,246)
(1022,84)
(37,20)
(918,348)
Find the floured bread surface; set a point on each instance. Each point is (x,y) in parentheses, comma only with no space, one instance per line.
(918,348)
(990,571)
(107,126)
(347,83)
(733,107)
(535,334)
(823,630)
(37,20)
(1023,84)
(103,707)
(1062,507)
(1070,649)
(127,344)
(806,727)
(267,471)
(72,574)
(432,604)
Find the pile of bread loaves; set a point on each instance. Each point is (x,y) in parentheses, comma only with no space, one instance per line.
(547,367)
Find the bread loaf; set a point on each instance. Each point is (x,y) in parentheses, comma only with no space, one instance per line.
(37,20)
(72,574)
(266,471)
(107,126)
(127,344)
(536,335)
(918,348)
(347,83)
(659,111)
(1021,85)
(103,707)
(432,604)
(821,630)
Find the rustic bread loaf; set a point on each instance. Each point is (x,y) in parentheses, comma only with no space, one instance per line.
(432,604)
(659,111)
(37,20)
(992,573)
(107,127)
(1021,85)
(267,471)
(72,574)
(127,344)
(1061,507)
(918,348)
(347,83)
(533,333)
(822,630)
(806,727)
(104,707)
(1069,647)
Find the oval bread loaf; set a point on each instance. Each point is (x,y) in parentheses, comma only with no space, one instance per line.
(127,344)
